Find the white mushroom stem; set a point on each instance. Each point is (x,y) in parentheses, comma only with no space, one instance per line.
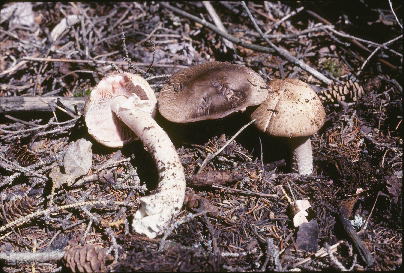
(156,210)
(302,156)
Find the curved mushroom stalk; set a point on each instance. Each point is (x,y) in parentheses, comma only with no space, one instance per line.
(127,98)
(301,155)
(157,209)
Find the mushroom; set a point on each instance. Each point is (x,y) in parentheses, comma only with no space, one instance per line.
(210,90)
(119,110)
(292,110)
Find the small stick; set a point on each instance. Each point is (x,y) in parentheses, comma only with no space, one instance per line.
(37,104)
(218,31)
(262,155)
(97,62)
(14,68)
(149,35)
(169,230)
(19,39)
(121,18)
(108,231)
(16,167)
(21,121)
(211,156)
(338,263)
(354,238)
(319,254)
(52,193)
(370,214)
(286,195)
(245,191)
(271,250)
(126,58)
(24,219)
(9,179)
(286,17)
(26,257)
(374,52)
(352,39)
(154,54)
(392,10)
(218,23)
(212,234)
(285,53)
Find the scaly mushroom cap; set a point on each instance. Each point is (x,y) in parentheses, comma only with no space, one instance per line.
(292,109)
(101,122)
(210,90)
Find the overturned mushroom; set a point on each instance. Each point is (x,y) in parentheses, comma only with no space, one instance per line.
(292,110)
(102,123)
(118,111)
(210,90)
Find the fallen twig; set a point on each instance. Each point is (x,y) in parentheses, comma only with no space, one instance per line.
(354,238)
(99,62)
(285,18)
(169,230)
(211,156)
(218,31)
(377,49)
(37,104)
(364,226)
(218,23)
(24,219)
(395,16)
(272,251)
(212,234)
(109,232)
(13,166)
(14,68)
(319,254)
(286,54)
(245,191)
(233,39)
(338,263)
(28,257)
(351,38)
(9,179)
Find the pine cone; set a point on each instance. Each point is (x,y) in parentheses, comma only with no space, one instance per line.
(21,154)
(17,208)
(88,258)
(348,92)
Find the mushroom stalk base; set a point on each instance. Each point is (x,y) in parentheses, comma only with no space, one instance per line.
(156,210)
(302,157)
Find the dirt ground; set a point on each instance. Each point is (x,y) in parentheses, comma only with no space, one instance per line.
(238,213)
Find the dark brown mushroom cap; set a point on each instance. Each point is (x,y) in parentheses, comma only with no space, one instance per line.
(101,122)
(210,90)
(292,109)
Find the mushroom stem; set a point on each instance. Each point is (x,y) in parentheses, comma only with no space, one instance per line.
(157,209)
(301,154)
